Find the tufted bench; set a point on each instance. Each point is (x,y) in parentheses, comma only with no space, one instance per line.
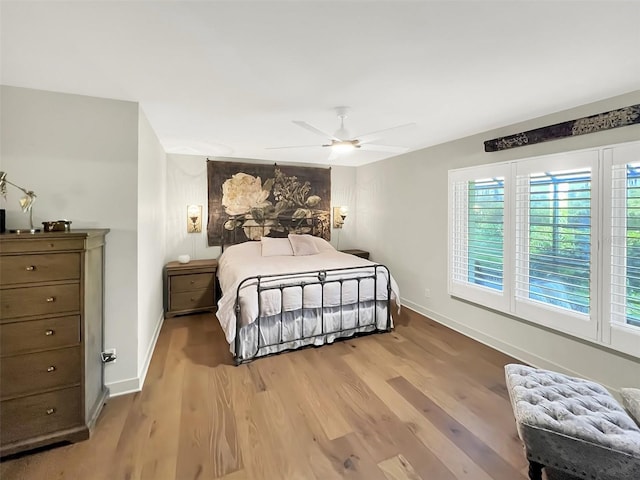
(572,426)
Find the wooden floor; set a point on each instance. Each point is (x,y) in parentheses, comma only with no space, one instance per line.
(422,402)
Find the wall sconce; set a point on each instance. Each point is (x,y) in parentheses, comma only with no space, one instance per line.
(339,216)
(194,218)
(26,202)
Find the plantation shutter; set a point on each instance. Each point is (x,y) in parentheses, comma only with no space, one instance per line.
(554,239)
(625,244)
(477,235)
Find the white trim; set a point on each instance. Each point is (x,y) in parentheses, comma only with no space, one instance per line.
(123,387)
(135,384)
(142,375)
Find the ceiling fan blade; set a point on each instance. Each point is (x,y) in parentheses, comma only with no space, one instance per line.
(383,148)
(315,130)
(373,135)
(292,146)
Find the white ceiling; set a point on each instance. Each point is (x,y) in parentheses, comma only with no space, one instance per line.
(227,78)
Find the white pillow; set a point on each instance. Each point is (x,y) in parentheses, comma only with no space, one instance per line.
(303,245)
(272,247)
(322,244)
(631,401)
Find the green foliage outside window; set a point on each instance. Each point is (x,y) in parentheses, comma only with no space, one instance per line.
(486,231)
(633,246)
(560,240)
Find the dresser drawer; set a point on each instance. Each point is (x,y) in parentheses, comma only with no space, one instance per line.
(35,415)
(39,268)
(26,374)
(191,300)
(24,337)
(28,245)
(50,299)
(189,283)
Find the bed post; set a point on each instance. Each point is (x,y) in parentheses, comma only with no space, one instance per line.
(236,356)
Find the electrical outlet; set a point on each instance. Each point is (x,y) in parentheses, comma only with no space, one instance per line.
(427,293)
(109,355)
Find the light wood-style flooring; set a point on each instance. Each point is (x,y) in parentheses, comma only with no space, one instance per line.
(422,402)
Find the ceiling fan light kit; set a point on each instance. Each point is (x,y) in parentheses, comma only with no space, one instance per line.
(343,145)
(342,141)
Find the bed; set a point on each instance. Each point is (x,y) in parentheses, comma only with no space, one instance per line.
(274,300)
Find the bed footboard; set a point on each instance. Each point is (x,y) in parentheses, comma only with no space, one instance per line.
(364,306)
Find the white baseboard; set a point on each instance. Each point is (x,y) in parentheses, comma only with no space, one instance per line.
(149,354)
(132,385)
(518,353)
(122,387)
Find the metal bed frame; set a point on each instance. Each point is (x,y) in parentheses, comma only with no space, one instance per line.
(302,280)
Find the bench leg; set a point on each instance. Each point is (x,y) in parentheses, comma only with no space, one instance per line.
(535,470)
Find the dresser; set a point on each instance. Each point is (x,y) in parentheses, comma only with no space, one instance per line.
(51,336)
(190,287)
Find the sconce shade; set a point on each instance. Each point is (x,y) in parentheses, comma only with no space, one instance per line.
(194,218)
(339,216)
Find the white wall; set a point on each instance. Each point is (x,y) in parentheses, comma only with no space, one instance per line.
(79,155)
(402,219)
(344,194)
(187,184)
(152,206)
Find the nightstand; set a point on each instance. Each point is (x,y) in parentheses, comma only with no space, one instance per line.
(189,287)
(357,253)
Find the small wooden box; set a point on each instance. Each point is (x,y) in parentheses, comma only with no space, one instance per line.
(190,287)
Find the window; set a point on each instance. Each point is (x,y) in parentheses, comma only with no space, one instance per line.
(477,232)
(574,262)
(486,232)
(622,252)
(625,242)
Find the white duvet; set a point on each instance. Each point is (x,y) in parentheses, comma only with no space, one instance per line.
(242,261)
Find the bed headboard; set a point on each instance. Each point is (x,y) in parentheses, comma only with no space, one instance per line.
(252,200)
(239,230)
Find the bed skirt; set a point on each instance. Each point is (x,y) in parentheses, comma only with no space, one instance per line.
(310,326)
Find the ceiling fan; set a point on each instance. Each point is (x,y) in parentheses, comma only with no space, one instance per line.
(342,141)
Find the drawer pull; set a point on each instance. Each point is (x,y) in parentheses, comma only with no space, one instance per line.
(30,268)
(50,369)
(51,411)
(52,245)
(51,299)
(48,333)
(192,282)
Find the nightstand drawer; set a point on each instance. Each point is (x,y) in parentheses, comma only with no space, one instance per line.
(46,300)
(32,373)
(35,415)
(191,300)
(24,337)
(188,283)
(16,269)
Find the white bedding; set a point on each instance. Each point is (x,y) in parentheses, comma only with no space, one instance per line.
(241,261)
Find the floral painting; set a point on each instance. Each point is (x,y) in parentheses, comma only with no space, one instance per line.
(251,200)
